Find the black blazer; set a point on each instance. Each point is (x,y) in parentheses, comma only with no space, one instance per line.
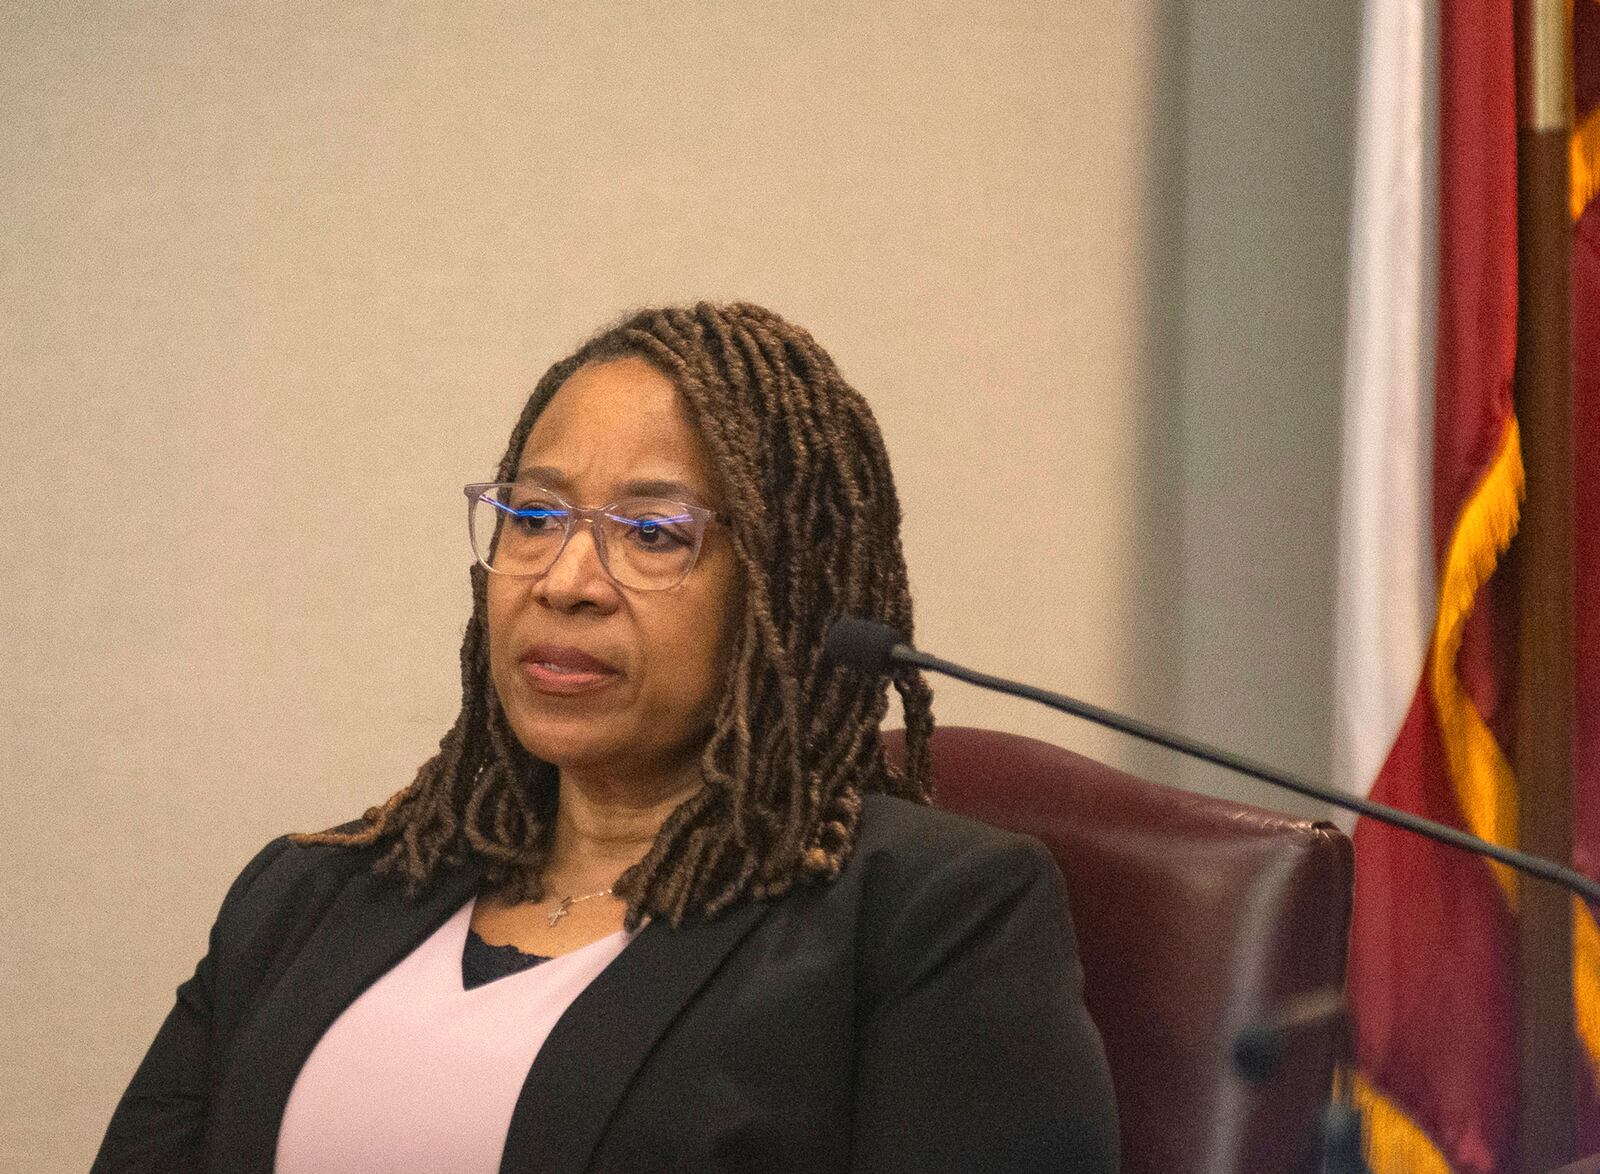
(923,1012)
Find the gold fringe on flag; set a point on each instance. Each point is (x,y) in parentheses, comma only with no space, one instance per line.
(1585,163)
(1586,978)
(1585,180)
(1484,785)
(1395,1143)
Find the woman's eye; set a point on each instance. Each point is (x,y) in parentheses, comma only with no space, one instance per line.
(656,533)
(538,519)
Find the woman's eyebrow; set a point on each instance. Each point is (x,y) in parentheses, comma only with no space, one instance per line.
(544,475)
(660,488)
(643,487)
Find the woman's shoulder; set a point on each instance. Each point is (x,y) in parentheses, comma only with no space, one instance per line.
(926,886)
(892,823)
(914,842)
(288,872)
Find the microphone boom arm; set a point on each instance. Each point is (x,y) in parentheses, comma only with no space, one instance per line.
(1537,866)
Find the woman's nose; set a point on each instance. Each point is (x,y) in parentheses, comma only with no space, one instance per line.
(578,576)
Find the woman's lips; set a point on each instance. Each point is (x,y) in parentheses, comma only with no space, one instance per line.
(554,668)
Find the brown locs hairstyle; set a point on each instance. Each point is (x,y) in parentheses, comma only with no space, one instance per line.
(815,526)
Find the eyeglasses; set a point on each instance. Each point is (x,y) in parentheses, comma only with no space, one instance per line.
(644,543)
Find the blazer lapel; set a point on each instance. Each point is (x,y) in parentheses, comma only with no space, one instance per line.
(369,927)
(596,1047)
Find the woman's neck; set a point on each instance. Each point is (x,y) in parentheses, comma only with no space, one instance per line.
(605,824)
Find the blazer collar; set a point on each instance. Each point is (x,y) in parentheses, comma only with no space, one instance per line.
(368,928)
(598,1046)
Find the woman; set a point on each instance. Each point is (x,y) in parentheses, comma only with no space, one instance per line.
(758,948)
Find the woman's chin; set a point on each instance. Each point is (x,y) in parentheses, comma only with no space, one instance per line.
(595,747)
(568,744)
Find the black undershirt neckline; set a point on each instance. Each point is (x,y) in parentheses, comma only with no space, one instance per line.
(482,963)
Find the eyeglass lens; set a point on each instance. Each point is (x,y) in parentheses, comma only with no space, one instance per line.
(645,543)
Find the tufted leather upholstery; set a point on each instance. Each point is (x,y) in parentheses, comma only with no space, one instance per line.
(1194,917)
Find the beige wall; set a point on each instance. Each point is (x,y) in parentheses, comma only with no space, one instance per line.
(275,279)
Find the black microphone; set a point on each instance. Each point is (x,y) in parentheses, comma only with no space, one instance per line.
(863,644)
(1258,1046)
(876,648)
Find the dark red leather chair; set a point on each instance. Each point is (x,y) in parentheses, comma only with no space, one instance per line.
(1195,917)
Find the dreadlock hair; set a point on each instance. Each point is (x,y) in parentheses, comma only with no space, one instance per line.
(815,527)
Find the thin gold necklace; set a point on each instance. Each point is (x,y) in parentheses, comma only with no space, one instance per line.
(565,904)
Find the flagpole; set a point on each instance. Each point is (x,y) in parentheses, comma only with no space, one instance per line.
(1542,557)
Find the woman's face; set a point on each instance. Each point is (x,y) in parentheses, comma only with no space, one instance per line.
(590,674)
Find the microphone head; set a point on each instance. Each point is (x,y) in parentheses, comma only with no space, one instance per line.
(861,644)
(1257,1052)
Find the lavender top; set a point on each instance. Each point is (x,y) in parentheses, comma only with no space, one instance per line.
(420,1074)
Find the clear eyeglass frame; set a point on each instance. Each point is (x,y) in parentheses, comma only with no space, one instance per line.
(619,520)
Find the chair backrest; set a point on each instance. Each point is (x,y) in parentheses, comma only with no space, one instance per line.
(1195,917)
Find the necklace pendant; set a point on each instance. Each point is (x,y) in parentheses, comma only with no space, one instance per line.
(559,911)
